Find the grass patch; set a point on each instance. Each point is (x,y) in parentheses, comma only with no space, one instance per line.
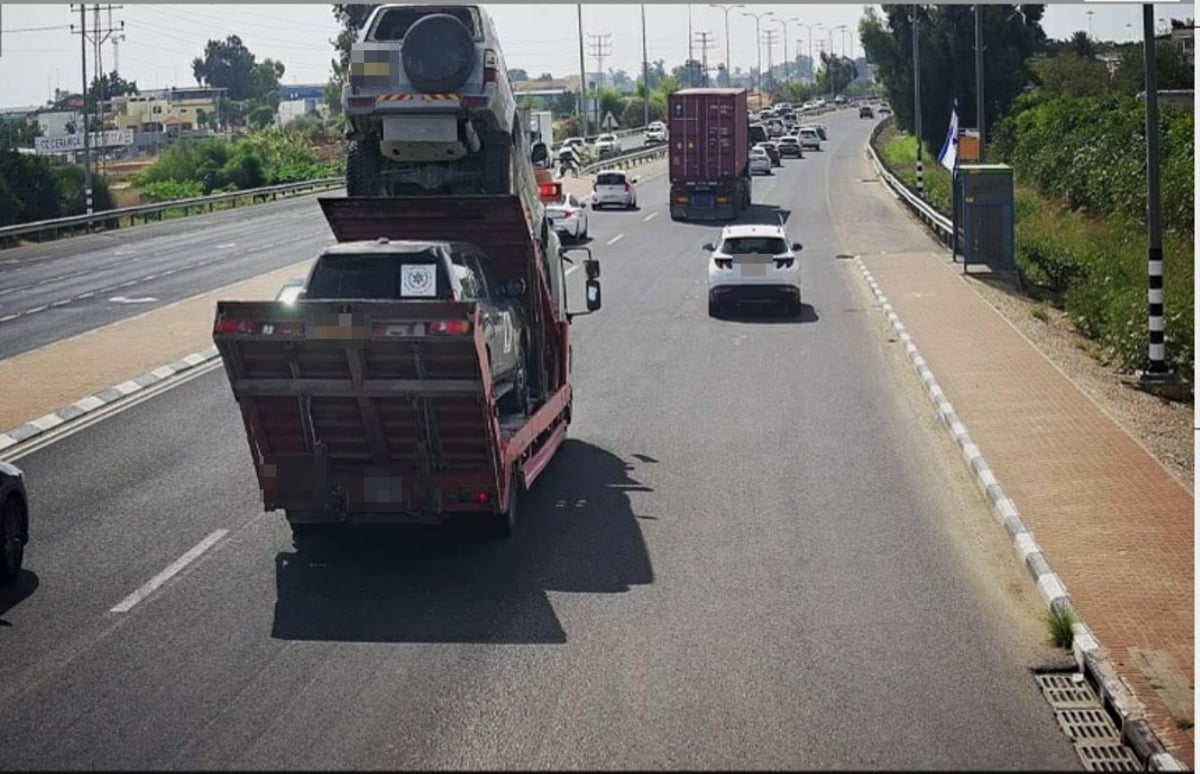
(1183,724)
(1095,269)
(1040,312)
(1059,623)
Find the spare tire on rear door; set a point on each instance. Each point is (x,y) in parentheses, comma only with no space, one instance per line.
(438,53)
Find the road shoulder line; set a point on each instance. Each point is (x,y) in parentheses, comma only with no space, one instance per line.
(106,397)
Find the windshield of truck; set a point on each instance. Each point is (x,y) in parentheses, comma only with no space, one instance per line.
(393,23)
(379,277)
(754,246)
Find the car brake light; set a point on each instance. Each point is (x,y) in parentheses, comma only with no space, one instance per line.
(237,326)
(567,214)
(724,263)
(784,263)
(549,191)
(450,327)
(483,498)
(595,186)
(490,67)
(627,188)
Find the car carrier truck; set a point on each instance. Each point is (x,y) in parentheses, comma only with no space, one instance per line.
(384,408)
(708,154)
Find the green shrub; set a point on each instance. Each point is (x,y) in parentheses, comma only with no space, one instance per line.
(170,190)
(70,183)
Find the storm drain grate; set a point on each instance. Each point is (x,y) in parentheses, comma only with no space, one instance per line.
(1112,756)
(1081,717)
(1086,725)
(1067,691)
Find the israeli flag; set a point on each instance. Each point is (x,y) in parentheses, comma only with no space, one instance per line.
(949,155)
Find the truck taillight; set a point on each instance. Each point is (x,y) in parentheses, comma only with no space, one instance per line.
(491,64)
(450,327)
(237,326)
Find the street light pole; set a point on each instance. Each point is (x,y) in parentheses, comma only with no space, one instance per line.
(645,74)
(981,116)
(916,44)
(812,66)
(784,22)
(758,43)
(582,73)
(728,61)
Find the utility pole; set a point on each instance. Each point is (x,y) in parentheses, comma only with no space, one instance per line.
(981,117)
(600,43)
(1090,14)
(728,60)
(691,54)
(116,38)
(645,74)
(582,73)
(87,145)
(786,61)
(706,42)
(916,38)
(1157,368)
(812,64)
(769,40)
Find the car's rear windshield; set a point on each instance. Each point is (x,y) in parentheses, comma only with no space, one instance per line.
(393,23)
(380,277)
(611,178)
(754,246)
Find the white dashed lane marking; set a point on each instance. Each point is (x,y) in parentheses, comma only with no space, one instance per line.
(615,239)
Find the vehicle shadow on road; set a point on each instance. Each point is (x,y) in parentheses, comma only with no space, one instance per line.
(578,533)
(16,591)
(770,314)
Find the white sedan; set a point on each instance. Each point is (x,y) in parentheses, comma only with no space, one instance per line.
(753,264)
(568,217)
(760,162)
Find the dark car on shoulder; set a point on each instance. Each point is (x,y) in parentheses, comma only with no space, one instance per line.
(14,521)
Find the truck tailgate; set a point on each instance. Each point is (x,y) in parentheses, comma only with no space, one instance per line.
(364,406)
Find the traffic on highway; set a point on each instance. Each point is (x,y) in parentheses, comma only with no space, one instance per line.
(523,450)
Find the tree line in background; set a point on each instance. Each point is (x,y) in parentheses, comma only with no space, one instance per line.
(1065,115)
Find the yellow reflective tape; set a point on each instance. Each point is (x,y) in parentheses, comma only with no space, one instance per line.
(376,68)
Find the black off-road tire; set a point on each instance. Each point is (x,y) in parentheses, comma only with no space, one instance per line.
(504,525)
(362,168)
(438,54)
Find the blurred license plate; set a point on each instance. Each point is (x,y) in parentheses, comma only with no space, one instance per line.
(703,201)
(754,270)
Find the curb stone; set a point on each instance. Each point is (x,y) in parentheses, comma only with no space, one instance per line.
(98,400)
(1135,731)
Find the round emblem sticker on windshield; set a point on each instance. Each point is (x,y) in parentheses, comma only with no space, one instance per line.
(418,281)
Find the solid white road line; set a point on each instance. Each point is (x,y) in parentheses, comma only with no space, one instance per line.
(651,216)
(615,239)
(126,604)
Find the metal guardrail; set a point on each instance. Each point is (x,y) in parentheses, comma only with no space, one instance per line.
(626,160)
(112,218)
(925,211)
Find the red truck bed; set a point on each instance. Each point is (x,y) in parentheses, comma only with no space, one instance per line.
(709,131)
(384,410)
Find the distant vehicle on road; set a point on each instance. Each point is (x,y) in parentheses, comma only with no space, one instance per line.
(866,112)
(789,145)
(753,264)
(607,145)
(885,109)
(14,521)
(614,187)
(656,132)
(569,217)
(760,162)
(822,132)
(810,138)
(772,149)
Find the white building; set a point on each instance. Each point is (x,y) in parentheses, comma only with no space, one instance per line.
(59,123)
(295,108)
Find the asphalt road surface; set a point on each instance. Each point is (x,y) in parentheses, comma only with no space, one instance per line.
(750,554)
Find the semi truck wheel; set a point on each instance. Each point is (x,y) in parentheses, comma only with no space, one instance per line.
(362,169)
(497,163)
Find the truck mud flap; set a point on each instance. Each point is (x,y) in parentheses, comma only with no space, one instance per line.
(363,406)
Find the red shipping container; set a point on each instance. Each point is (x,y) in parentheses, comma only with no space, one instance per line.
(709,131)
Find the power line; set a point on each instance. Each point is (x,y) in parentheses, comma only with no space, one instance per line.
(600,48)
(769,40)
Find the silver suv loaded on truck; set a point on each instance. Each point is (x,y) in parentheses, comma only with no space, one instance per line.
(429,105)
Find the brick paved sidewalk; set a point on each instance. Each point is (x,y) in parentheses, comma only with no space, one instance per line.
(1114,524)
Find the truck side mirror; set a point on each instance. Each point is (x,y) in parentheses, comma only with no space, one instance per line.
(592,267)
(797,246)
(593,295)
(540,153)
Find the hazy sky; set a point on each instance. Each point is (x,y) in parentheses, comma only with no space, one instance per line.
(161,40)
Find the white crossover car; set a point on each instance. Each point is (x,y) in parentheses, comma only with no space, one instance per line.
(614,188)
(760,162)
(753,264)
(810,137)
(569,217)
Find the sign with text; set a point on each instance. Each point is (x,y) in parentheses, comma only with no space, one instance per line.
(69,143)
